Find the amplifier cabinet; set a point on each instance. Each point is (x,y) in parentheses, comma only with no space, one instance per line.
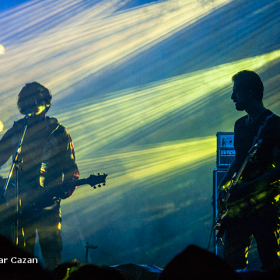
(225,149)
(218,175)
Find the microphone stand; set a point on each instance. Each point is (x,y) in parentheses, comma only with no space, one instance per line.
(15,165)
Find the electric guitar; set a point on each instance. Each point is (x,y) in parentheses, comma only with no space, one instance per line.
(41,197)
(46,195)
(219,225)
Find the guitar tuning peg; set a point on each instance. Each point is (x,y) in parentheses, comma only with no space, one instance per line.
(103,184)
(99,186)
(94,187)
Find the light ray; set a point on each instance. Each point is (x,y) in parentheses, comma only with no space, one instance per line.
(152,164)
(83,46)
(126,112)
(153,180)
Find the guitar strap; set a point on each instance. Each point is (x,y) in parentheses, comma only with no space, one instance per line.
(50,143)
(256,138)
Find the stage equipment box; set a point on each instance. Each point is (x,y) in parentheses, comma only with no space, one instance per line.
(218,175)
(225,149)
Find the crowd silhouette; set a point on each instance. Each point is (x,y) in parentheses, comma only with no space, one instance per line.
(193,263)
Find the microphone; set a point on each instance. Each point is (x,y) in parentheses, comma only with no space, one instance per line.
(38,111)
(29,114)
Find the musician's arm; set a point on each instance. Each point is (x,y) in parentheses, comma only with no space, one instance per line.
(70,168)
(6,148)
(261,183)
(271,176)
(221,192)
(229,174)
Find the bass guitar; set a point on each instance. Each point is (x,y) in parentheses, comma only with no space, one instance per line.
(223,211)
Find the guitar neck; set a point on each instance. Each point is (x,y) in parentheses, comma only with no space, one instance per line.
(79,182)
(238,175)
(72,184)
(92,180)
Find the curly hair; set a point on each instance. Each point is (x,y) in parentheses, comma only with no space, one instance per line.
(32,96)
(250,80)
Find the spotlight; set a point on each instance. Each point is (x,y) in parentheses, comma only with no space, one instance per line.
(2,49)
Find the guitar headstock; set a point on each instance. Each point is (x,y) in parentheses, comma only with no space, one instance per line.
(98,179)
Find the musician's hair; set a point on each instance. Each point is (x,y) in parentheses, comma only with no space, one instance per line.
(250,80)
(33,95)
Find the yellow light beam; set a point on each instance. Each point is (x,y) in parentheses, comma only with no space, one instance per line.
(126,112)
(153,164)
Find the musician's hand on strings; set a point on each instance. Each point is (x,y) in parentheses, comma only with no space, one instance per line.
(239,190)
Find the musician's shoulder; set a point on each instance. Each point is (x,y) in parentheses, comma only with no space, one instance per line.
(276,118)
(241,121)
(57,127)
(274,127)
(273,121)
(19,122)
(18,125)
(51,120)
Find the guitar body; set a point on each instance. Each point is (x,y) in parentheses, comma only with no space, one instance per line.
(246,206)
(231,207)
(37,198)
